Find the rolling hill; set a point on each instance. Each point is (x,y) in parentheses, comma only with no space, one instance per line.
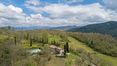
(63,27)
(109,28)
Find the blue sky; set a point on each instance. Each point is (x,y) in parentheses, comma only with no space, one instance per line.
(20,3)
(56,12)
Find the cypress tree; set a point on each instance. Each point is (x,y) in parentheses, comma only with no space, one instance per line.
(65,50)
(27,37)
(30,41)
(67,47)
(43,42)
(15,41)
(91,42)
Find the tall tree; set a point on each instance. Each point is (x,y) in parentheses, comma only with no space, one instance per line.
(65,50)
(15,41)
(67,46)
(31,42)
(27,37)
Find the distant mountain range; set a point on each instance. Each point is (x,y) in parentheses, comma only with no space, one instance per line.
(33,27)
(104,28)
(63,27)
(39,27)
(45,27)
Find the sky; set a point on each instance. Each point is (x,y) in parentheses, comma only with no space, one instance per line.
(56,12)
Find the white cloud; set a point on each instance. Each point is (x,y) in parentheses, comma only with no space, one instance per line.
(17,10)
(11,15)
(59,14)
(14,16)
(80,13)
(32,2)
(111,4)
(70,1)
(36,16)
(60,10)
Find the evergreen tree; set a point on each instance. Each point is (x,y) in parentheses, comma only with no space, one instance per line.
(64,50)
(27,37)
(67,46)
(15,41)
(30,41)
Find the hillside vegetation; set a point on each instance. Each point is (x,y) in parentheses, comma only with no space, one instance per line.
(109,28)
(15,44)
(101,43)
